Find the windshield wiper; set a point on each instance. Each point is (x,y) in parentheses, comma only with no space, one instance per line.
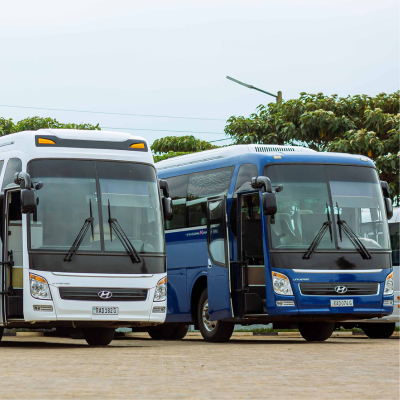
(354,239)
(317,240)
(122,236)
(78,241)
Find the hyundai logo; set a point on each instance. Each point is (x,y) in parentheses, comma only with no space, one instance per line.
(104,294)
(341,289)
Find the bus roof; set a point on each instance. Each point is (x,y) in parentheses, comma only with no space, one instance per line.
(260,154)
(74,143)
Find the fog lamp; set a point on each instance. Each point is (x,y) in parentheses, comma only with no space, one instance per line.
(388,303)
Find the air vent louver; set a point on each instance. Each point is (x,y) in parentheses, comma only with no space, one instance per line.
(267,149)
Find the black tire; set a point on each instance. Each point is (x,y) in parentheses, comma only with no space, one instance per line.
(168,331)
(1,333)
(379,330)
(214,331)
(316,331)
(98,336)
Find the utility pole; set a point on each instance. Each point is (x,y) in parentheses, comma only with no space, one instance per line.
(278,97)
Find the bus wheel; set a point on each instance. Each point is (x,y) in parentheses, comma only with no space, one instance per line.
(212,331)
(379,330)
(98,336)
(168,331)
(316,331)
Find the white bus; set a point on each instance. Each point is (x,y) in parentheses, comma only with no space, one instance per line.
(82,239)
(384,327)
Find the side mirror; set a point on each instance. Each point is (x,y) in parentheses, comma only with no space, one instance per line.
(164,187)
(28,193)
(389,207)
(269,203)
(261,182)
(28,201)
(167,208)
(385,189)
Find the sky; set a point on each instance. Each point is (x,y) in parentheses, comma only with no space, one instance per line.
(171,58)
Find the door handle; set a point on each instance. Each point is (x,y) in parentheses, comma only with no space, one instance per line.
(209,263)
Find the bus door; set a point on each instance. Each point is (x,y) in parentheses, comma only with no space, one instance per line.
(218,273)
(250,297)
(12,265)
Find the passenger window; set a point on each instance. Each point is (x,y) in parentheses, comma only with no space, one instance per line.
(14,165)
(246,172)
(203,185)
(177,190)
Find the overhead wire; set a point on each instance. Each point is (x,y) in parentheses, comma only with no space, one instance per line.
(114,113)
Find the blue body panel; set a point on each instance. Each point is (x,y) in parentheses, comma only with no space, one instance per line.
(187,252)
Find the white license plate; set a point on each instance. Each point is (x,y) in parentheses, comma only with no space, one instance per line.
(341,303)
(105,310)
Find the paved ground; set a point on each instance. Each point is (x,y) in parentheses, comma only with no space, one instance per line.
(246,367)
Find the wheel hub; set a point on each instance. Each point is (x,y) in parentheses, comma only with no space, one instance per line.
(209,325)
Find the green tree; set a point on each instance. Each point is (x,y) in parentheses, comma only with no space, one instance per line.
(173,146)
(358,124)
(7,126)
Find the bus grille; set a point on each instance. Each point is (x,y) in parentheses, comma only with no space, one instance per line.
(97,294)
(328,289)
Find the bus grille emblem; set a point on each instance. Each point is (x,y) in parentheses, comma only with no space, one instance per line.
(104,294)
(341,289)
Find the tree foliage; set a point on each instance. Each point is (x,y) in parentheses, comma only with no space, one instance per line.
(173,146)
(7,126)
(358,124)
(185,144)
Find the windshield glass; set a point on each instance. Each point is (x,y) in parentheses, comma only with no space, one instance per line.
(75,190)
(309,197)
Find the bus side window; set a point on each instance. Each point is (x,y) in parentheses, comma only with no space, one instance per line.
(177,190)
(246,172)
(201,186)
(14,165)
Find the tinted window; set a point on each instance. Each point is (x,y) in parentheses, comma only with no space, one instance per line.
(14,165)
(394,239)
(202,185)
(177,190)
(246,172)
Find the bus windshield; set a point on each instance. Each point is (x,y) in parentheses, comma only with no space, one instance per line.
(75,190)
(314,194)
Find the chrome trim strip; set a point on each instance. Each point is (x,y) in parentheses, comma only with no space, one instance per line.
(340,295)
(193,228)
(337,271)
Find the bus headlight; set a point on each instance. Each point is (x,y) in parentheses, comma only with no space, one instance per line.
(39,287)
(161,290)
(389,285)
(281,284)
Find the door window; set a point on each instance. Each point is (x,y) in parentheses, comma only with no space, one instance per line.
(252,234)
(14,165)
(217,231)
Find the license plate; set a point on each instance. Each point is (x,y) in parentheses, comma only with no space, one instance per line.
(105,310)
(341,303)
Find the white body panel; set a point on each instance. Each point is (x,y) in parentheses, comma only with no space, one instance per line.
(22,145)
(72,310)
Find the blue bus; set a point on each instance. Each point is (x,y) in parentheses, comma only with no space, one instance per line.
(275,234)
